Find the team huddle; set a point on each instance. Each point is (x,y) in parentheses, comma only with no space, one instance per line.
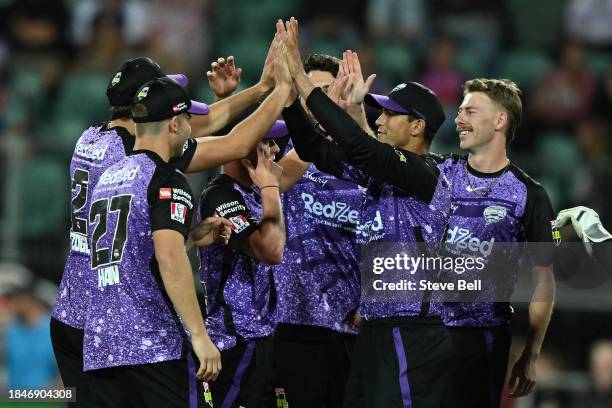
(280,234)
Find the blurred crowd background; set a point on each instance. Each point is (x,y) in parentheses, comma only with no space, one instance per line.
(56,57)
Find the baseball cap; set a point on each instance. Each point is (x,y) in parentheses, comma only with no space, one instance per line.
(131,75)
(165,98)
(277,131)
(412,99)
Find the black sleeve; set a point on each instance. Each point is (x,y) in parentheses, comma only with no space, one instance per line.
(170,201)
(403,169)
(537,223)
(310,144)
(224,201)
(183,161)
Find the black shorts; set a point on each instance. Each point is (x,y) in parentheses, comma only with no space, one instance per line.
(246,377)
(312,365)
(398,363)
(67,344)
(165,384)
(479,366)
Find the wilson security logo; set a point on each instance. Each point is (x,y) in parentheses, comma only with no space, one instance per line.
(463,239)
(494,213)
(335,211)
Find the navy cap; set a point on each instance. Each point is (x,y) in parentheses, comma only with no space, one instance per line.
(164,98)
(412,99)
(131,75)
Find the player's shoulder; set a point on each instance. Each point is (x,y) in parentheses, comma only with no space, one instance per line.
(522,176)
(220,185)
(444,158)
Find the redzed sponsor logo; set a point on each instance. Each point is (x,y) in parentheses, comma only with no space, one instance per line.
(165,193)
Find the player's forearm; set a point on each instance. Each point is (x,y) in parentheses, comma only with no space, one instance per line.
(223,111)
(357,113)
(293,170)
(175,271)
(540,311)
(272,224)
(251,130)
(310,144)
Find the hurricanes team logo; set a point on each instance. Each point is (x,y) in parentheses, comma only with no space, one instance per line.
(494,213)
(116,79)
(143,93)
(400,155)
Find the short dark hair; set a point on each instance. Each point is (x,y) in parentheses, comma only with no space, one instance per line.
(322,62)
(428,134)
(121,112)
(505,93)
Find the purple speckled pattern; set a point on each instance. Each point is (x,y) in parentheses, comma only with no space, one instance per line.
(503,206)
(390,215)
(245,308)
(129,321)
(95,150)
(318,282)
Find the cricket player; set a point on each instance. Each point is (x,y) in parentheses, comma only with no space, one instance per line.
(238,278)
(136,346)
(317,283)
(402,351)
(104,144)
(496,206)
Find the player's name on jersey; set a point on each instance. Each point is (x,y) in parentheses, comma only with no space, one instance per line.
(91,152)
(312,177)
(108,275)
(78,243)
(227,208)
(119,176)
(424,284)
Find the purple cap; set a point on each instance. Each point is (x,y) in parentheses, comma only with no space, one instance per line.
(278,130)
(180,78)
(383,101)
(198,108)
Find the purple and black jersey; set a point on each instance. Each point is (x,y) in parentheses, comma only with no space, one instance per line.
(240,289)
(318,282)
(504,209)
(97,149)
(130,319)
(407,201)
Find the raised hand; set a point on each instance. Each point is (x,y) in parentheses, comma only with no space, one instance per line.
(223,77)
(281,68)
(357,88)
(294,60)
(267,74)
(337,89)
(211,230)
(267,173)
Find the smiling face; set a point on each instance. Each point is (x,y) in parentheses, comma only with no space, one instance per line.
(479,121)
(400,130)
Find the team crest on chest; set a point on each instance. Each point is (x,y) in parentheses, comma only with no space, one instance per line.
(494,213)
